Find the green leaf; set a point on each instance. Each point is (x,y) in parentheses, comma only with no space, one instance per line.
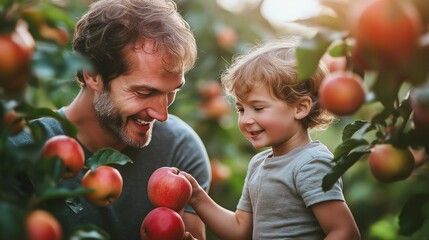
(339,49)
(88,232)
(63,192)
(386,89)
(380,118)
(347,146)
(107,156)
(323,21)
(343,164)
(34,113)
(341,8)
(352,128)
(55,14)
(412,217)
(12,220)
(310,52)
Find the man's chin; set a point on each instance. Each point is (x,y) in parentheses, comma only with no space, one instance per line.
(139,141)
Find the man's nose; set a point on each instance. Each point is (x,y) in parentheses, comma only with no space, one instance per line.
(158,109)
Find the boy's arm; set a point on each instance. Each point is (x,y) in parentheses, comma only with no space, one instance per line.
(336,220)
(223,222)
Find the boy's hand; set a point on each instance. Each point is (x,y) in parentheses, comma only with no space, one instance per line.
(196,188)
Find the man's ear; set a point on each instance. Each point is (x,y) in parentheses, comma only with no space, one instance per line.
(93,80)
(303,107)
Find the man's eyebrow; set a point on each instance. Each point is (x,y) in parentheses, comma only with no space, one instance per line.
(146,87)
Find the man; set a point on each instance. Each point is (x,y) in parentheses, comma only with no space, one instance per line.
(139,51)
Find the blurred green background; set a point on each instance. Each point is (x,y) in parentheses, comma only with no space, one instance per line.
(221,34)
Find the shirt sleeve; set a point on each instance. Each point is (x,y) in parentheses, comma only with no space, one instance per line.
(309,183)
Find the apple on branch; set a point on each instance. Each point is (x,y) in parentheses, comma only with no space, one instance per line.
(70,152)
(162,223)
(386,32)
(168,188)
(106,183)
(389,164)
(342,93)
(14,123)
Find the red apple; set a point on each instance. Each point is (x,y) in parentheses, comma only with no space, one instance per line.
(167,188)
(389,164)
(342,93)
(13,122)
(334,63)
(227,37)
(106,183)
(220,171)
(16,49)
(161,224)
(41,225)
(386,31)
(70,152)
(14,56)
(215,108)
(211,89)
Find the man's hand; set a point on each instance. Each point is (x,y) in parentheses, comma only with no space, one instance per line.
(188,236)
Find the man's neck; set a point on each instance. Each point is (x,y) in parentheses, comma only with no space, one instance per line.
(81,113)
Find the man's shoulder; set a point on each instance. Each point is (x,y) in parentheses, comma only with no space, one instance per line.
(50,126)
(174,125)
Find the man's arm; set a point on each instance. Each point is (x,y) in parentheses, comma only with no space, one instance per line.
(223,222)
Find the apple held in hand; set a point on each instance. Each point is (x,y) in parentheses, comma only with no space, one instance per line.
(107,183)
(70,152)
(342,93)
(41,225)
(161,224)
(389,164)
(168,188)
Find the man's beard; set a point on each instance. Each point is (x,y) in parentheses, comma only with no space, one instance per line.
(110,120)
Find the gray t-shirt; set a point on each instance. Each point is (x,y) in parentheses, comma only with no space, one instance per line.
(279,191)
(173,143)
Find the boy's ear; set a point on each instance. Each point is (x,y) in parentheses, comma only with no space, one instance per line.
(303,107)
(93,80)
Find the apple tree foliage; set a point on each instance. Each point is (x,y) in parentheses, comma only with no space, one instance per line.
(396,89)
(47,29)
(386,116)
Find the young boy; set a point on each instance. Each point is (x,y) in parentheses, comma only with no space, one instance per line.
(282,196)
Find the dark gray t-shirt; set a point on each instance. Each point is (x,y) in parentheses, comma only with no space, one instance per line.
(279,191)
(173,143)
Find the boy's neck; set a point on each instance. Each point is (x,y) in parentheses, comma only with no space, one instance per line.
(294,142)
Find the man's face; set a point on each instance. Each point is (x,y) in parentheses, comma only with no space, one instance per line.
(138,98)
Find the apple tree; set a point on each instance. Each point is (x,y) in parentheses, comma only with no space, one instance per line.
(384,44)
(34,59)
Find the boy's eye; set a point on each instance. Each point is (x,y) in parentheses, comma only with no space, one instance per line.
(258,108)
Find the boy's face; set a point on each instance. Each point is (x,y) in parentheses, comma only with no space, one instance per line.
(267,121)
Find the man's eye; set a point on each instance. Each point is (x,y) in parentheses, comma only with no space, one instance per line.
(143,94)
